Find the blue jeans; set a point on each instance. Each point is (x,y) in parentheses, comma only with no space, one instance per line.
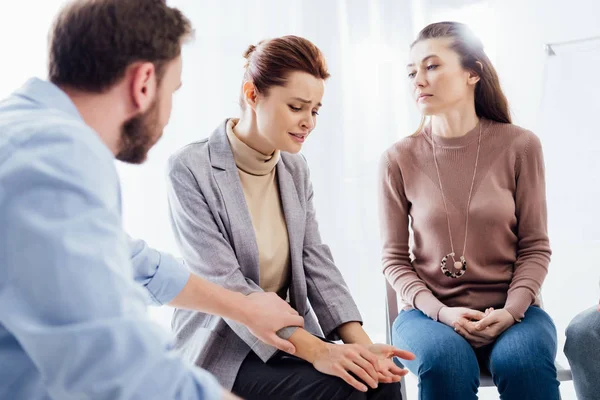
(521,360)
(583,351)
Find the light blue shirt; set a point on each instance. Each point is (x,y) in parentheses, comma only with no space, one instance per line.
(73,323)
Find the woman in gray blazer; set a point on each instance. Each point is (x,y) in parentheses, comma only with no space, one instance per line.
(242,212)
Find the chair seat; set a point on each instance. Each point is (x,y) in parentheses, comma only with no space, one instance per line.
(485,380)
(563,374)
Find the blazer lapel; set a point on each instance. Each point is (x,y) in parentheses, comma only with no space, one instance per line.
(230,186)
(295,218)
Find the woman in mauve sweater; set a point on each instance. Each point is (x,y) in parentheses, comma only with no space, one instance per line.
(470,185)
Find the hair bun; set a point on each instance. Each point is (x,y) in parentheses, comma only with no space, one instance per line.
(249,51)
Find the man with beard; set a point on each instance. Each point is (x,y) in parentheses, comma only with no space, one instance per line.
(72,318)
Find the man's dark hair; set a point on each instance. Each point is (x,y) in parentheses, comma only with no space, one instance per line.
(92,42)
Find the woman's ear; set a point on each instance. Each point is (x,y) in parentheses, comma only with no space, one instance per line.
(475,76)
(250,94)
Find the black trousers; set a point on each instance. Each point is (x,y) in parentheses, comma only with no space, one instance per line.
(286,377)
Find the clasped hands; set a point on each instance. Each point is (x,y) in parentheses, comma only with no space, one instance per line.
(478,328)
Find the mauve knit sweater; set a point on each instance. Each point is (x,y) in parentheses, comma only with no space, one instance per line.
(508,250)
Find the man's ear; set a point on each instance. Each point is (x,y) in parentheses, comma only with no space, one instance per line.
(143,85)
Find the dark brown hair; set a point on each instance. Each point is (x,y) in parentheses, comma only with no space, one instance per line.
(92,42)
(490,101)
(271,61)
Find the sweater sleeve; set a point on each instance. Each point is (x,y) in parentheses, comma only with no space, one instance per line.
(393,220)
(533,248)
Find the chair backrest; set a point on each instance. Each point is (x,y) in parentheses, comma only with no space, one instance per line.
(391,306)
(391,309)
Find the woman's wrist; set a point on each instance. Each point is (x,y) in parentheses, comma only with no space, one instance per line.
(353,332)
(439,314)
(308,347)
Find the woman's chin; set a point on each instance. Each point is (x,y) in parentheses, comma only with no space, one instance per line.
(427,111)
(293,149)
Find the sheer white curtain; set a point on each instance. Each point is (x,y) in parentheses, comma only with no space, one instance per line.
(572,153)
(23,41)
(571,142)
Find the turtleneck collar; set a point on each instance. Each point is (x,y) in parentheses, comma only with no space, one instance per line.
(246,158)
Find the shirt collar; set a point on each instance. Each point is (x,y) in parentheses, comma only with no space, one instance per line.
(49,95)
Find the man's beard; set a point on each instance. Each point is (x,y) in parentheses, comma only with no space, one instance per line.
(138,135)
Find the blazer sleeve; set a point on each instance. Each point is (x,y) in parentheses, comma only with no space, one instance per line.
(327,291)
(206,251)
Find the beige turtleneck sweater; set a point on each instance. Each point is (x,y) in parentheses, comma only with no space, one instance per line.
(508,250)
(259,182)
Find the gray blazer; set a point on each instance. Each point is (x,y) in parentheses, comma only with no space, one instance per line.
(214,231)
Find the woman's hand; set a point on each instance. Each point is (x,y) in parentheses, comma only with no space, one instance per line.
(387,370)
(495,323)
(486,330)
(462,320)
(450,315)
(342,359)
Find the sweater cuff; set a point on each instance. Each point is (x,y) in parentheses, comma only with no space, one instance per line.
(517,302)
(428,304)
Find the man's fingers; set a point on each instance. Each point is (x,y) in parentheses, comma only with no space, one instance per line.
(281,344)
(293,320)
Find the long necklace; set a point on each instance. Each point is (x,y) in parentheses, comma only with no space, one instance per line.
(459,266)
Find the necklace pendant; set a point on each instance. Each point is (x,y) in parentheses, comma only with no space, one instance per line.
(459,266)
